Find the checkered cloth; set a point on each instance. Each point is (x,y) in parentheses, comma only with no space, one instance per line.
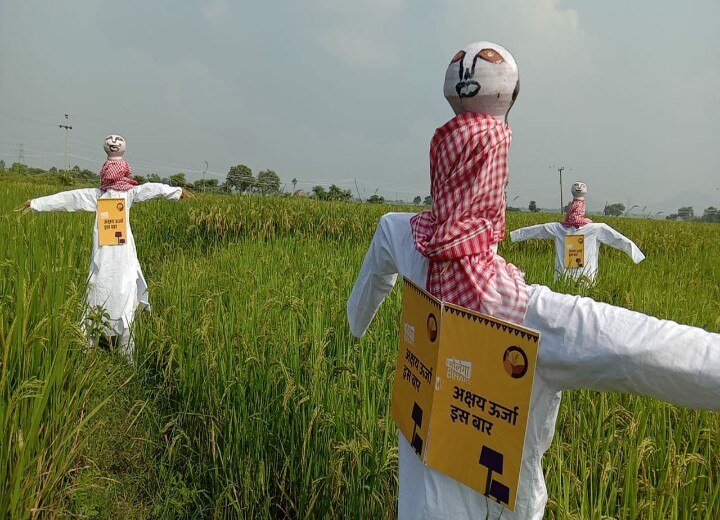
(576,214)
(468,173)
(115,175)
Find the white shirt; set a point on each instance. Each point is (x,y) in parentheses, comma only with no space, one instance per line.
(593,233)
(584,344)
(116,281)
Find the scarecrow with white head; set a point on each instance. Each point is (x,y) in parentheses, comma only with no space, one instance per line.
(577,240)
(452,251)
(116,285)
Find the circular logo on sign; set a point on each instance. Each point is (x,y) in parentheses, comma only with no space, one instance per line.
(581,240)
(515,362)
(120,206)
(432,328)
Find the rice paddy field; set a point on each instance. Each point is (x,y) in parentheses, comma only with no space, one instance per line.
(251,399)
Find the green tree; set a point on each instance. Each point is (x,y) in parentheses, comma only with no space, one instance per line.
(268,182)
(711,214)
(206,185)
(337,193)
(240,178)
(18,169)
(320,193)
(417,200)
(532,206)
(178,180)
(428,200)
(614,210)
(2,164)
(686,213)
(154,177)
(294,183)
(376,199)
(141,179)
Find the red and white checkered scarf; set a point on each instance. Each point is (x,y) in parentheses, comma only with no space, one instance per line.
(468,173)
(576,214)
(115,175)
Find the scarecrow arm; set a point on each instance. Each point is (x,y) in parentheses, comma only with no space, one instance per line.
(155,190)
(538,231)
(73,200)
(586,344)
(609,236)
(376,279)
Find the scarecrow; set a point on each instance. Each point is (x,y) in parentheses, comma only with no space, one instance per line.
(452,251)
(577,240)
(116,285)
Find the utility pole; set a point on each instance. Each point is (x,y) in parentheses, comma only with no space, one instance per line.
(21,154)
(562,206)
(67,127)
(204,171)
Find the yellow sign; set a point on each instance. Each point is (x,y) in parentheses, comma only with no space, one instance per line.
(112,222)
(462,399)
(574,251)
(416,366)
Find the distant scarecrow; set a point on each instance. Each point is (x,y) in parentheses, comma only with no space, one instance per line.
(116,285)
(577,240)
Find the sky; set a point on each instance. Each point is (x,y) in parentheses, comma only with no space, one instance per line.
(623,95)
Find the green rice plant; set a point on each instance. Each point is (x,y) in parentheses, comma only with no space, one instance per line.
(265,405)
(46,375)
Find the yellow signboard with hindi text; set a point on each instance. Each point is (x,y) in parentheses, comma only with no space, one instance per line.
(462,392)
(574,251)
(112,222)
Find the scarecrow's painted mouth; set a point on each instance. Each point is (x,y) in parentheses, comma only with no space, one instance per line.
(467,88)
(114,148)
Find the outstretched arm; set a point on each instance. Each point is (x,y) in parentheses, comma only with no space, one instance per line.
(586,344)
(73,200)
(609,236)
(376,279)
(538,231)
(156,190)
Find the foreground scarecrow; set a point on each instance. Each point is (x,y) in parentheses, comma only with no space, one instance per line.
(116,286)
(452,251)
(577,240)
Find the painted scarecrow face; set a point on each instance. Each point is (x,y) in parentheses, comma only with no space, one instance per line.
(114,146)
(482,78)
(579,189)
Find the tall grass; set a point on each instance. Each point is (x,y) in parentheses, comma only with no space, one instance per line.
(47,380)
(268,408)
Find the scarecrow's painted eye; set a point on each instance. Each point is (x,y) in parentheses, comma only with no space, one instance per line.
(460,55)
(490,55)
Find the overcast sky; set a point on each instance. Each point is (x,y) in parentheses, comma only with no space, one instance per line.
(622,94)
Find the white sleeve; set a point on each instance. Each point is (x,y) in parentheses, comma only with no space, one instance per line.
(376,279)
(586,344)
(609,236)
(73,200)
(155,190)
(526,233)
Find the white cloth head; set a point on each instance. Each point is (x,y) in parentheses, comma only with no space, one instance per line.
(114,147)
(482,78)
(579,190)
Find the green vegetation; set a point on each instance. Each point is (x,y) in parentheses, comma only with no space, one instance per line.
(252,400)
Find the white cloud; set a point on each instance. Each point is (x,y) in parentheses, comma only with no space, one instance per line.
(357,47)
(214,9)
(359,33)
